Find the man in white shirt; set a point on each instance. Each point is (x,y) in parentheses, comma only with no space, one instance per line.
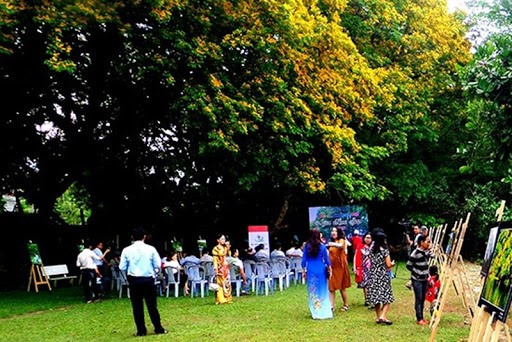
(206,257)
(238,265)
(278,252)
(141,263)
(99,252)
(101,264)
(190,259)
(86,261)
(261,254)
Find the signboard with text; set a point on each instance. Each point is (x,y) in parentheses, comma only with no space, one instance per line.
(348,217)
(259,235)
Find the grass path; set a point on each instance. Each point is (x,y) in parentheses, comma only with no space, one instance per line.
(61,316)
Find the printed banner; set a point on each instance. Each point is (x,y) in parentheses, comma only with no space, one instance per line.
(259,235)
(348,217)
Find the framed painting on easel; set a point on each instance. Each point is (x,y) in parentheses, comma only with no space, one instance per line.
(497,290)
(491,243)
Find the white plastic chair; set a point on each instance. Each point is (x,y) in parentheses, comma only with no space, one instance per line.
(234,278)
(278,271)
(123,281)
(115,278)
(250,272)
(195,279)
(296,267)
(209,272)
(287,270)
(263,277)
(172,279)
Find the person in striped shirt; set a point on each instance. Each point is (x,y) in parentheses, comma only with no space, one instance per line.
(418,265)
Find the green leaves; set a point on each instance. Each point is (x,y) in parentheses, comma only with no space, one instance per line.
(74,205)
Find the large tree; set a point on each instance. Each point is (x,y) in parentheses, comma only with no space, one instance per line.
(161,105)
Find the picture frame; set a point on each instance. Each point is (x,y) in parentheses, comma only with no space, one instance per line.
(33,253)
(177,246)
(497,289)
(491,243)
(201,244)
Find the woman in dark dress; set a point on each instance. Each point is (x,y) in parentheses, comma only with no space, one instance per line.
(380,292)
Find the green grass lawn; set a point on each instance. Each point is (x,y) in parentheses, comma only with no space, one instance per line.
(62,316)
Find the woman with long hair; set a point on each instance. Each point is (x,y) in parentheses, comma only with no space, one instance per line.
(380,292)
(362,265)
(221,267)
(340,278)
(316,267)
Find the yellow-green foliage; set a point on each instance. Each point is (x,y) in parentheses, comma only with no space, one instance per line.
(282,86)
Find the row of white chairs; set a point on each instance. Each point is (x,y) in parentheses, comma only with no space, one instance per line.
(264,276)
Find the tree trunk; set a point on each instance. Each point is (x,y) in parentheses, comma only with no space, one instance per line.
(82,217)
(282,213)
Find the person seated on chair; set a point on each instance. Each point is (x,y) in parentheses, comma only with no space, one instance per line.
(206,257)
(237,264)
(189,259)
(114,262)
(249,254)
(172,261)
(261,254)
(278,252)
(295,251)
(165,257)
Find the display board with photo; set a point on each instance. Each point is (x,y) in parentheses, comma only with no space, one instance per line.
(177,246)
(348,217)
(496,293)
(33,253)
(491,242)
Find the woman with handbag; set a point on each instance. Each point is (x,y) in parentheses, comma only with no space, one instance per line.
(340,279)
(316,267)
(221,267)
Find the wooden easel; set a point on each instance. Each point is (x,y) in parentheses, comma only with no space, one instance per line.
(485,326)
(37,277)
(437,244)
(468,298)
(448,273)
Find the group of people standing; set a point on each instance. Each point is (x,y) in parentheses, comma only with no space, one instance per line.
(91,261)
(326,270)
(325,267)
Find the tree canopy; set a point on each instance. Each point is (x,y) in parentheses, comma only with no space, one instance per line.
(163,108)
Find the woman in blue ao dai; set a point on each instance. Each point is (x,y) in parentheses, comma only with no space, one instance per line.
(316,267)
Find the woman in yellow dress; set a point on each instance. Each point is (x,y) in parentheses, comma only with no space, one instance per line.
(221,267)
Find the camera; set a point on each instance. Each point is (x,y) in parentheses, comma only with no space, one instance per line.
(406,225)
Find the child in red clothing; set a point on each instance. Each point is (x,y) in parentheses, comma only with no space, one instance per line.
(434,285)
